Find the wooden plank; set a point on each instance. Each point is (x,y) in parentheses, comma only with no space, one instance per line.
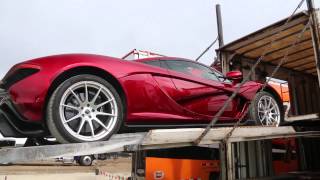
(307,67)
(295,54)
(293,61)
(314,116)
(311,70)
(280,47)
(292,64)
(281,52)
(259,48)
(296,57)
(215,135)
(308,63)
(302,67)
(265,33)
(277,37)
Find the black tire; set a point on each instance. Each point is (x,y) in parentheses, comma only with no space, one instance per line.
(54,121)
(102,156)
(253,111)
(86,160)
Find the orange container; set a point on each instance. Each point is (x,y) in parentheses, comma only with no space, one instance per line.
(180,169)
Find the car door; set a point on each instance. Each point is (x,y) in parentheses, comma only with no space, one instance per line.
(199,89)
(164,108)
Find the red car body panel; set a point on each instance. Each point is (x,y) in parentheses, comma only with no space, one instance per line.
(153,94)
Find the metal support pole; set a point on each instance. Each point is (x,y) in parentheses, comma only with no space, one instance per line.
(220,59)
(315,35)
(219,25)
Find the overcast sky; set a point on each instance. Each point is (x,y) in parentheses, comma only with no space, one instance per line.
(183,28)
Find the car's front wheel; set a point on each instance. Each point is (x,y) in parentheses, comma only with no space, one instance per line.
(84,108)
(265,110)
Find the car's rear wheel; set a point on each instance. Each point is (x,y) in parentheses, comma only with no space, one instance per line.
(84,108)
(265,110)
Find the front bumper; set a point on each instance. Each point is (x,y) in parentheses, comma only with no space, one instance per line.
(12,124)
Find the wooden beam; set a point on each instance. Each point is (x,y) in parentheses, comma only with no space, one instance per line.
(315,35)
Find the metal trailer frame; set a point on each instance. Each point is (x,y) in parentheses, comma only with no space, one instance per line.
(157,139)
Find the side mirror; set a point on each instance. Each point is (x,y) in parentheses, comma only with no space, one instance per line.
(235,76)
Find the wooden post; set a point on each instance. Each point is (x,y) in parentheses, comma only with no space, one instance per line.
(225,58)
(315,35)
(223,166)
(293,94)
(230,162)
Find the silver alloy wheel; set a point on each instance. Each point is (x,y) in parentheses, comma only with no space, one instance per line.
(268,111)
(88,110)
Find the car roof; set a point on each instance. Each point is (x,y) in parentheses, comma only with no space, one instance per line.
(162,58)
(165,58)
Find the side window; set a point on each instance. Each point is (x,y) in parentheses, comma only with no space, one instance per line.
(193,69)
(153,63)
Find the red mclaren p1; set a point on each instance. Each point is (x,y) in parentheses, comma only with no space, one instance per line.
(82,97)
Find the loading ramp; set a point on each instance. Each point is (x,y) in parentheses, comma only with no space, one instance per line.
(154,139)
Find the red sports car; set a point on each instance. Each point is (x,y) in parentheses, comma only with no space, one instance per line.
(82,97)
